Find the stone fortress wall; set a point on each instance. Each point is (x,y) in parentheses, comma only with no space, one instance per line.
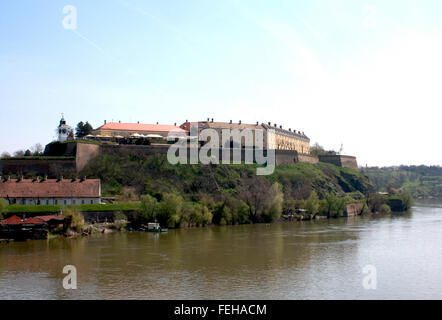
(77,155)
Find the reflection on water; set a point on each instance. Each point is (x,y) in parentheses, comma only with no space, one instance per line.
(308,260)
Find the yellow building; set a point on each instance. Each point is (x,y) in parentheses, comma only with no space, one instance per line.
(274,137)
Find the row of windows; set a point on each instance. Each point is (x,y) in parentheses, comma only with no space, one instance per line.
(47,202)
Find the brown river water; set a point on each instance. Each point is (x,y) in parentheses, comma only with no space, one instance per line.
(296,260)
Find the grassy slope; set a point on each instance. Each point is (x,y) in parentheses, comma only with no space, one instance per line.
(153,174)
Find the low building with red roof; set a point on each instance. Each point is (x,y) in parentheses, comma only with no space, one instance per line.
(114,129)
(50,191)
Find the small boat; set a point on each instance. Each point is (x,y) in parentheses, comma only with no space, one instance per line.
(155,227)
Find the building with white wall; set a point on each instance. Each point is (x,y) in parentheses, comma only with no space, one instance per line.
(50,191)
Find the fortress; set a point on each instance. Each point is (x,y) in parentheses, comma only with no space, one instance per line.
(71,156)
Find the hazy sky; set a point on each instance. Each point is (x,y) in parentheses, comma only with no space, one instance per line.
(367,74)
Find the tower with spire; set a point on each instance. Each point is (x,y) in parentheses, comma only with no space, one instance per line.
(64,131)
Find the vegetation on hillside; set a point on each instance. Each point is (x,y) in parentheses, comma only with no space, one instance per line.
(195,195)
(421,181)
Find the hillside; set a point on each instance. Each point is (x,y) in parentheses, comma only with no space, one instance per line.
(154,175)
(423,182)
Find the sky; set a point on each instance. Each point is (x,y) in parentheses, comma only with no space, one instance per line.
(366,75)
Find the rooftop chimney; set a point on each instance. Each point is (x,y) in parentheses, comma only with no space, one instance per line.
(208,119)
(105,121)
(157,122)
(231,121)
(119,121)
(212,120)
(257,122)
(280,127)
(276,125)
(269,123)
(174,124)
(239,121)
(290,129)
(138,122)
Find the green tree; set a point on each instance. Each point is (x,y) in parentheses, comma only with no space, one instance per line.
(335,205)
(312,204)
(170,210)
(83,129)
(147,212)
(3,207)
(273,212)
(407,199)
(385,208)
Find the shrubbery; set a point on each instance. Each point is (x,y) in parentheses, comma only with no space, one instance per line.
(3,207)
(76,220)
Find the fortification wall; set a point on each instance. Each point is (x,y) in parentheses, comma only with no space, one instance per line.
(133,150)
(307,158)
(340,160)
(84,153)
(51,168)
(286,157)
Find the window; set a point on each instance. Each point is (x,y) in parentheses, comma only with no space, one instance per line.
(65,202)
(82,201)
(73,201)
(55,201)
(92,201)
(47,201)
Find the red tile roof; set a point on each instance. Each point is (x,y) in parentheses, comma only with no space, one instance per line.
(140,127)
(13,220)
(51,188)
(33,221)
(51,217)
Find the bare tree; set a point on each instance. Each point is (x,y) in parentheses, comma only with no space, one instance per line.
(37,149)
(254,191)
(19,153)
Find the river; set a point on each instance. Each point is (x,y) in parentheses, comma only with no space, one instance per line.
(297,260)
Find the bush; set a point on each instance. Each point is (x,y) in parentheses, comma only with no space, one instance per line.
(120,220)
(201,215)
(407,199)
(334,205)
(273,212)
(3,207)
(312,204)
(170,210)
(385,208)
(76,219)
(147,212)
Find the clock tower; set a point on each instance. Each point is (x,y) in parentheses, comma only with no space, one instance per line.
(65,132)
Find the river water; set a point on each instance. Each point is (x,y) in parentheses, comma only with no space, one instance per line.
(297,260)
